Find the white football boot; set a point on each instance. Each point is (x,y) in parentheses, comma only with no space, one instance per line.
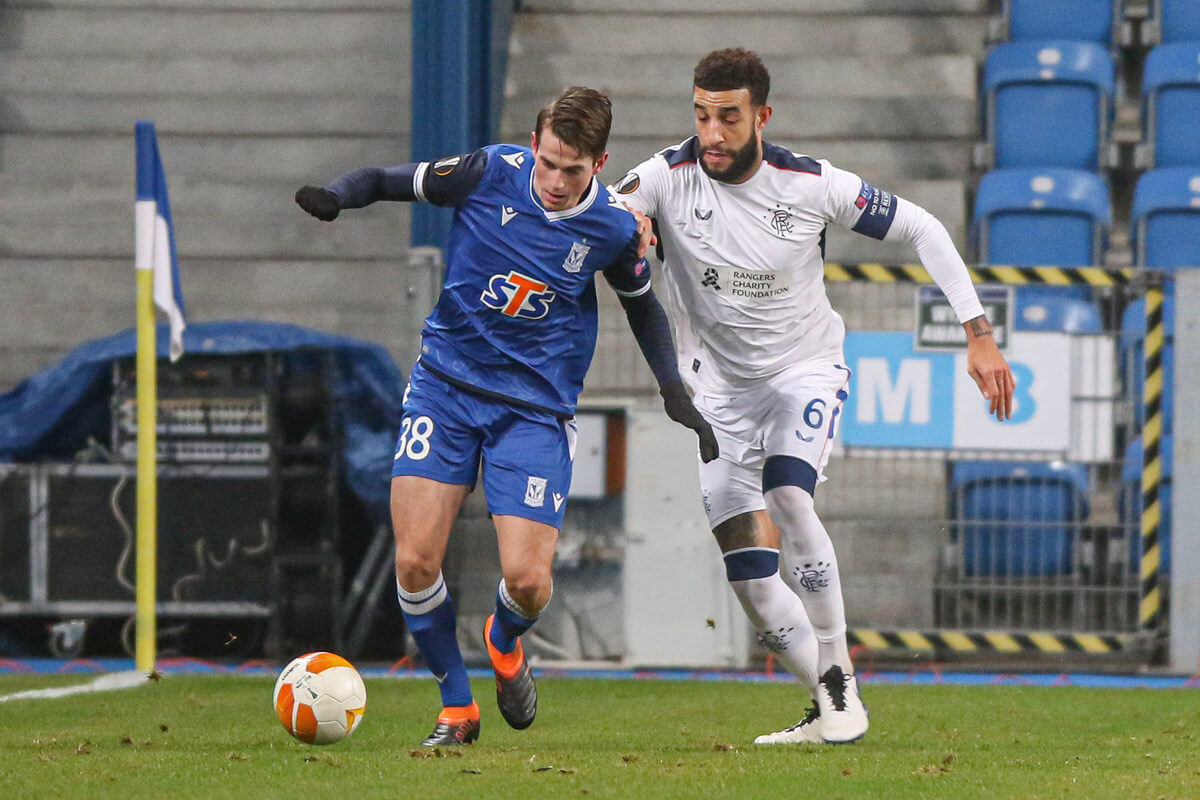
(843,715)
(807,729)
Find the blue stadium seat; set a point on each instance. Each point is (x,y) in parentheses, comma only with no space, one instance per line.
(1129,500)
(1056,308)
(1171,96)
(1032,217)
(1048,103)
(1077,20)
(1018,518)
(1178,20)
(1166,216)
(1130,351)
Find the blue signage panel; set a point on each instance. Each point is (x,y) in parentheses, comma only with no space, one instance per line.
(898,397)
(901,397)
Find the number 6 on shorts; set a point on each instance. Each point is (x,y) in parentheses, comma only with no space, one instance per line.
(814,415)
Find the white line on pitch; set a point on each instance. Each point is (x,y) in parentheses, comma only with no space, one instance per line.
(115,680)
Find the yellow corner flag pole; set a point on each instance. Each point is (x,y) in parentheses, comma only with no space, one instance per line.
(157,271)
(147,473)
(157,284)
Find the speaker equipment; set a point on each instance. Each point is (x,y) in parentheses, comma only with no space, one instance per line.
(215,533)
(233,409)
(211,409)
(249,514)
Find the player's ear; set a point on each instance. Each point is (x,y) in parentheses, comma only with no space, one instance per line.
(600,162)
(533,141)
(761,116)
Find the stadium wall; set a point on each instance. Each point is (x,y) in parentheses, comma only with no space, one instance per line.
(252,98)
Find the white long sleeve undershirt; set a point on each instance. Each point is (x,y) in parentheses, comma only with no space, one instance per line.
(920,229)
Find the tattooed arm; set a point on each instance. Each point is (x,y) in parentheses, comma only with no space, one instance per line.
(989,369)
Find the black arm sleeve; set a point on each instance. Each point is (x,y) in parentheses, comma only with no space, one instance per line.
(650,327)
(371,184)
(445,182)
(628,274)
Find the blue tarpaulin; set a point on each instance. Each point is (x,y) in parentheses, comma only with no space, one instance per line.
(50,415)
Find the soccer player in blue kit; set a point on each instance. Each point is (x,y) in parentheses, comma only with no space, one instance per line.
(501,365)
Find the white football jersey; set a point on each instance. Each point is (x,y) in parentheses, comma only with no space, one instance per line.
(744,270)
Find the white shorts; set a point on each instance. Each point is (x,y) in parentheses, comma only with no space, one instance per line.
(793,414)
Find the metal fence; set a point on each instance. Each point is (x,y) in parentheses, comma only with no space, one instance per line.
(958,534)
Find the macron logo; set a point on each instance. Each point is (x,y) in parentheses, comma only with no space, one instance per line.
(514,160)
(558,500)
(506,215)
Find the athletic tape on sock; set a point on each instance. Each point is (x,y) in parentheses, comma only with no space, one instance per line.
(788,471)
(748,563)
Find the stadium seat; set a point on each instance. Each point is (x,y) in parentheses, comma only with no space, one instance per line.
(1077,20)
(1048,103)
(1056,308)
(1018,518)
(1130,352)
(1166,217)
(1178,20)
(1031,217)
(1171,98)
(1129,500)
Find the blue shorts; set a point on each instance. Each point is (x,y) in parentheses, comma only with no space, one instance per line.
(526,453)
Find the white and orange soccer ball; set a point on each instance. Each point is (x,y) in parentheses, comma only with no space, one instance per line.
(320,698)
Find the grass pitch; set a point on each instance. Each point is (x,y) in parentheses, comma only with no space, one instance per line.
(217,737)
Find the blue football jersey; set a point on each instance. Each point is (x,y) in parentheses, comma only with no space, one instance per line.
(516,317)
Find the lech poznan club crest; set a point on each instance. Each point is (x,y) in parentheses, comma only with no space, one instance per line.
(575,258)
(535,492)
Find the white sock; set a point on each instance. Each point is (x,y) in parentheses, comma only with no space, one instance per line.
(780,624)
(809,567)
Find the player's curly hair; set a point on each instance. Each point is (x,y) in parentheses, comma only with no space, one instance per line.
(734,68)
(580,117)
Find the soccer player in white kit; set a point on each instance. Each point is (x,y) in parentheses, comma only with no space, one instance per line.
(741,223)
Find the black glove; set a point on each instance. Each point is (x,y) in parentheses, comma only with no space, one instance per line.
(319,202)
(679,408)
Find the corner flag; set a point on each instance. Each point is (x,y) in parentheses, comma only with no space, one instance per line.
(157,272)
(155,238)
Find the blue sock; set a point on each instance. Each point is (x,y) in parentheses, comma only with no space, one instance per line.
(430,616)
(510,622)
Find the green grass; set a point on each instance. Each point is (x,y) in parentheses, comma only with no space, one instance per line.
(217,737)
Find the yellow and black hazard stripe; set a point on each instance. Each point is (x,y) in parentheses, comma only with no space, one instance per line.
(1150,609)
(1010,276)
(992,641)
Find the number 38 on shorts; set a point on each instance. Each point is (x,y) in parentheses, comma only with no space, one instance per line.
(413,442)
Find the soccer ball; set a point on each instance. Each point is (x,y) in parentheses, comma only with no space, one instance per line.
(320,698)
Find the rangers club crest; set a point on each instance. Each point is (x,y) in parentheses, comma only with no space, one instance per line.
(575,258)
(781,221)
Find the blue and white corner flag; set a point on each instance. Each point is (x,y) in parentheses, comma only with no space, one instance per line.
(155,238)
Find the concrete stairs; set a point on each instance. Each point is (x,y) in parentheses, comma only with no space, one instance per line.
(251,98)
(883,88)
(886,89)
(254,97)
